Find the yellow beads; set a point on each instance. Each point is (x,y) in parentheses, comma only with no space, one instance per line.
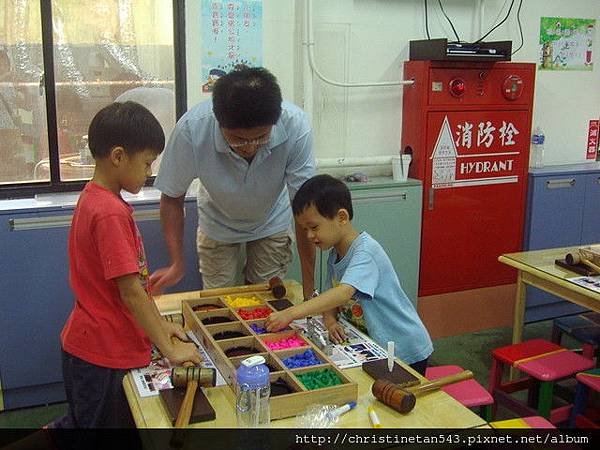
(240,302)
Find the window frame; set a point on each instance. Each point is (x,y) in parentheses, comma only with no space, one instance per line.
(55,185)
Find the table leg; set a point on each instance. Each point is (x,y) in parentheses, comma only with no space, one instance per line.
(519,316)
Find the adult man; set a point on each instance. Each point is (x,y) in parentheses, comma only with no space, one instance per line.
(252,152)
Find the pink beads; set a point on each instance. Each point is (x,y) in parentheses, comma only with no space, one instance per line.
(291,342)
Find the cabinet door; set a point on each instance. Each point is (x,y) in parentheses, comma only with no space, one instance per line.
(555,211)
(590,230)
(393,218)
(36,302)
(555,217)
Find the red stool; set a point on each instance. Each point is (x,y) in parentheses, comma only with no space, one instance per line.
(580,417)
(469,392)
(545,363)
(523,422)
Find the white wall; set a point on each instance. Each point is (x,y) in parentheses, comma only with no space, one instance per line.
(367,40)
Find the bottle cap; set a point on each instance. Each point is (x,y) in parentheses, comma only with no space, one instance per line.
(253,372)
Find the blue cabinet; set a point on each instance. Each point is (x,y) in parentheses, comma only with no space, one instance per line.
(37,297)
(563,209)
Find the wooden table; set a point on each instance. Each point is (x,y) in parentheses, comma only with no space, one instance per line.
(537,268)
(435,410)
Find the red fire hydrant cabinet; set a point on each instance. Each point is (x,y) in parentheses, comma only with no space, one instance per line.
(468,127)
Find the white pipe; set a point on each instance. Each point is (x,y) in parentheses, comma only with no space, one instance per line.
(310,43)
(481,8)
(307,77)
(327,163)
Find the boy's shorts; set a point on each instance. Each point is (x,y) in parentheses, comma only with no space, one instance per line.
(95,395)
(265,258)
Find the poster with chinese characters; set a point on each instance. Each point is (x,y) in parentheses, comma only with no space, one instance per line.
(475,148)
(566,44)
(231,36)
(592,140)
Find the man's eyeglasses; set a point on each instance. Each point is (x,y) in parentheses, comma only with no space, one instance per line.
(253,142)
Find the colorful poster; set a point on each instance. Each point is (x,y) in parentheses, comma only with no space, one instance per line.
(592,140)
(566,44)
(231,36)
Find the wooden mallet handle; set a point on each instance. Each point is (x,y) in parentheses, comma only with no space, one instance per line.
(275,285)
(440,382)
(574,259)
(185,411)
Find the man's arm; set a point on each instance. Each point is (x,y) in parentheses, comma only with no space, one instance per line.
(145,313)
(172,222)
(306,252)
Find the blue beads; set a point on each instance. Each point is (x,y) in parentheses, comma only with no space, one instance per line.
(257,328)
(305,359)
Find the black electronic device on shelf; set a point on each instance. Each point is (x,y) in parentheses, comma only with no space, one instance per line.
(442,50)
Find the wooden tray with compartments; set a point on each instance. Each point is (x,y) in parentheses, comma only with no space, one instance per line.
(283,405)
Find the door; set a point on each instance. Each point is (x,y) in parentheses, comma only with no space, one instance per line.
(474,193)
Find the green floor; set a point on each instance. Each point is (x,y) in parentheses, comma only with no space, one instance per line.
(471,351)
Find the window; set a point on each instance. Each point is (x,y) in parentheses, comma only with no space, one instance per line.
(100,51)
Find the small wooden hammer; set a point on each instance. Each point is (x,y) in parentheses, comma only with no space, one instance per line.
(403,400)
(574,259)
(275,286)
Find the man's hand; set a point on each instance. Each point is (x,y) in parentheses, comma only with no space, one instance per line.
(337,335)
(165,277)
(278,320)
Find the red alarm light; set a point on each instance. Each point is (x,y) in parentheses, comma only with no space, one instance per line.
(458,87)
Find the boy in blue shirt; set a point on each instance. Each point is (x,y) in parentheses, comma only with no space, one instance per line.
(362,283)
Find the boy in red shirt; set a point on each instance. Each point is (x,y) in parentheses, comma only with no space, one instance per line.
(114,319)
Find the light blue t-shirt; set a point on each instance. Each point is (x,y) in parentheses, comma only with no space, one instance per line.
(379,301)
(238,201)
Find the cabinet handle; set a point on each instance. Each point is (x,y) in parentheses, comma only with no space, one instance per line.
(40,223)
(558,184)
(384,197)
(430,199)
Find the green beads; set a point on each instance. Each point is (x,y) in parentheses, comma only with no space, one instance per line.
(318,379)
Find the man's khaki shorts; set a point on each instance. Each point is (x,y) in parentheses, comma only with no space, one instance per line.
(219,262)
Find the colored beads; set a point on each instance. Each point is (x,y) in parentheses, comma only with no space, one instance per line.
(256,313)
(227,335)
(280,387)
(308,358)
(319,379)
(215,319)
(207,307)
(258,329)
(240,302)
(291,342)
(240,351)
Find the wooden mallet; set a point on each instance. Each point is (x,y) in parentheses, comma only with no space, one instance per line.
(190,376)
(574,259)
(403,400)
(275,286)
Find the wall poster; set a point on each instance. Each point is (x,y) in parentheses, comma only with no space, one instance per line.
(566,44)
(231,36)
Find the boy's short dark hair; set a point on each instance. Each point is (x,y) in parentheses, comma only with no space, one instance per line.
(246,98)
(128,125)
(326,193)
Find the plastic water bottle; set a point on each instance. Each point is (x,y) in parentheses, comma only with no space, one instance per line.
(253,391)
(537,148)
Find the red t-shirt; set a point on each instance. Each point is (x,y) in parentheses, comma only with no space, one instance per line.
(104,244)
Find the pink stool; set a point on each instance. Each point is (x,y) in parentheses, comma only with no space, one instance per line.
(581,416)
(543,369)
(523,422)
(469,392)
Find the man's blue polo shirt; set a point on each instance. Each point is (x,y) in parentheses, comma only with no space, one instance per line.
(238,201)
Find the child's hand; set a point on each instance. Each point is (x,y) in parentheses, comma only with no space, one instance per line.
(337,335)
(278,320)
(174,329)
(181,352)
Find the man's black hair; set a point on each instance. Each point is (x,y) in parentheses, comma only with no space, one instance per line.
(326,193)
(247,98)
(128,125)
